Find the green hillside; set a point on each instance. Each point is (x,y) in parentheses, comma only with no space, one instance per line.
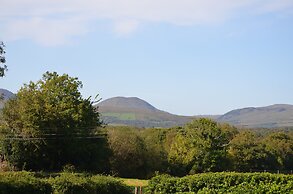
(136,112)
(279,115)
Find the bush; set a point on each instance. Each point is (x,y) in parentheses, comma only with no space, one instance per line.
(109,185)
(222,183)
(62,183)
(22,182)
(81,184)
(69,183)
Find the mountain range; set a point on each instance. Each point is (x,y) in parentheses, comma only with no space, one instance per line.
(137,112)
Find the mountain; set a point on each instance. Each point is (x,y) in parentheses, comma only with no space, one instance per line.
(137,112)
(6,95)
(278,115)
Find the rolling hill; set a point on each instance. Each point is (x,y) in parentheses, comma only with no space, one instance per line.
(137,112)
(278,115)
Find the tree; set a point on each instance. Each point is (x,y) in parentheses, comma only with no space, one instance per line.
(248,153)
(280,145)
(3,67)
(128,152)
(48,123)
(201,147)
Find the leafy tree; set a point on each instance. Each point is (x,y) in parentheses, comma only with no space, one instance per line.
(48,123)
(201,147)
(128,152)
(280,145)
(248,152)
(156,142)
(3,67)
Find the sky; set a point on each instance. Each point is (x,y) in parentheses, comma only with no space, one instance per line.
(186,57)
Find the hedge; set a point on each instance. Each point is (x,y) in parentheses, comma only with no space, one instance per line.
(23,182)
(222,183)
(61,183)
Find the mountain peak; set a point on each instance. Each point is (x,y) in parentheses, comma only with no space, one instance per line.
(133,103)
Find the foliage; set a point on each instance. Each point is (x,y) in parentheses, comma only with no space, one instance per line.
(3,67)
(22,182)
(248,153)
(201,147)
(109,185)
(280,146)
(222,183)
(128,152)
(48,124)
(157,142)
(64,183)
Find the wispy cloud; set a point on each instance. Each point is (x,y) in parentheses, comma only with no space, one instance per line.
(45,31)
(54,22)
(125,27)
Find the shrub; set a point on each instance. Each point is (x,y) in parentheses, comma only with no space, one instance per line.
(22,182)
(222,183)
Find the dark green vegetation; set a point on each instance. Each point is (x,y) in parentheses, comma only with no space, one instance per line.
(62,183)
(3,67)
(136,112)
(47,126)
(222,183)
(65,183)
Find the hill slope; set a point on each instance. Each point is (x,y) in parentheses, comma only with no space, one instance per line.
(278,115)
(6,95)
(136,112)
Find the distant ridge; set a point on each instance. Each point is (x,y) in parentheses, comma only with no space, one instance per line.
(137,112)
(278,115)
(132,103)
(6,94)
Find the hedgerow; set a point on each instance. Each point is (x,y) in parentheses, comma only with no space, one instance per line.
(60,183)
(23,182)
(222,183)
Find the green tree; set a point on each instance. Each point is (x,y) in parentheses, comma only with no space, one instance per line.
(201,147)
(128,152)
(156,142)
(248,152)
(48,124)
(280,145)
(3,67)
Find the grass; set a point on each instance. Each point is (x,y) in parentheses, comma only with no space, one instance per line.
(121,116)
(135,182)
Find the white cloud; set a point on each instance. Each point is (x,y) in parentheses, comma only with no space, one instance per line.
(50,22)
(48,32)
(125,27)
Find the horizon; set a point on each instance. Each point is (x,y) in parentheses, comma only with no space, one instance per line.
(128,97)
(183,57)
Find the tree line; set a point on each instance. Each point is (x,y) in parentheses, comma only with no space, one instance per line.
(49,126)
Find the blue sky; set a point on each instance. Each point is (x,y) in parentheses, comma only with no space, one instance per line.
(186,57)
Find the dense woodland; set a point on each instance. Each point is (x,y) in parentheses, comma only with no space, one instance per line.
(48,126)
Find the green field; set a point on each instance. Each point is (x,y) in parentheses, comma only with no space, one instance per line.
(121,116)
